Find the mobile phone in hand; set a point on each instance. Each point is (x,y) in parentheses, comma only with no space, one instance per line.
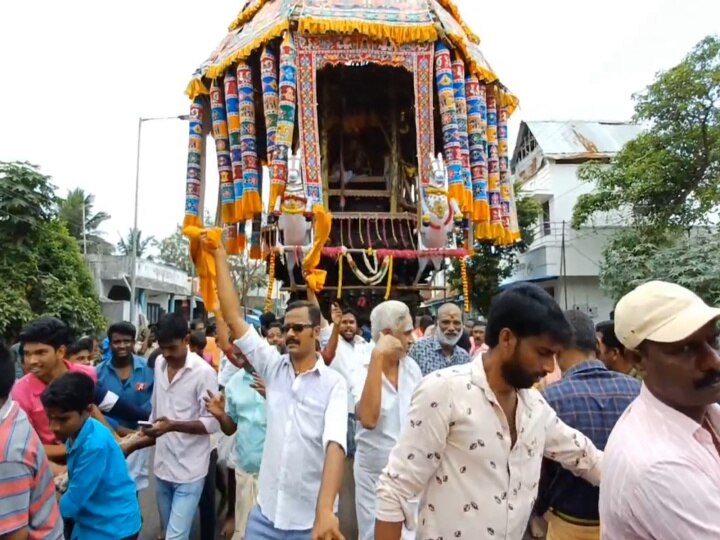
(144,424)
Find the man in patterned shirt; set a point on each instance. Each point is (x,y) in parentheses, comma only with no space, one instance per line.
(477,433)
(28,508)
(441,350)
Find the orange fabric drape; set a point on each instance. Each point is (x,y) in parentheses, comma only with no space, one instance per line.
(314,277)
(204,262)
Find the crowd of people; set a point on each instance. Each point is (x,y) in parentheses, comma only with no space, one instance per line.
(454,428)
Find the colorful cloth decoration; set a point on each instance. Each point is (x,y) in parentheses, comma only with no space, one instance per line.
(204,261)
(496,223)
(251,203)
(269,76)
(222,147)
(232,105)
(475,94)
(193,179)
(322,223)
(316,52)
(458,70)
(400,21)
(286,119)
(504,169)
(448,118)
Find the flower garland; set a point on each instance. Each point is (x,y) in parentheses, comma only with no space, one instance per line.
(271,283)
(374,268)
(465,285)
(367,280)
(340,275)
(389,280)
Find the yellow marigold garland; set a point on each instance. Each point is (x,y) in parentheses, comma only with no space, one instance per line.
(271,282)
(465,285)
(389,280)
(340,276)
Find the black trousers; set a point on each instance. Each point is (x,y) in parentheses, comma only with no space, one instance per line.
(208,523)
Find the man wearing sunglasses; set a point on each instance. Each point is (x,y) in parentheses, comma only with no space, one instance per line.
(304,455)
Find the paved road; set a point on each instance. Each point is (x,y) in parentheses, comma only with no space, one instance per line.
(151,519)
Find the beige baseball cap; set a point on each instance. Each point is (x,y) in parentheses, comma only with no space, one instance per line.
(662,312)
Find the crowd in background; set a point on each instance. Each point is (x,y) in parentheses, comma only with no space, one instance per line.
(439,424)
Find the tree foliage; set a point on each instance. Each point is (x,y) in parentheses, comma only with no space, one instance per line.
(135,238)
(175,251)
(248,274)
(669,176)
(635,256)
(42,271)
(490,265)
(77,205)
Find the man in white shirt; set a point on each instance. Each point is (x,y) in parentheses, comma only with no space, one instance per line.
(351,348)
(304,455)
(181,427)
(382,388)
(477,433)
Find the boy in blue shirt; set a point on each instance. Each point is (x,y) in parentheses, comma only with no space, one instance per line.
(100,498)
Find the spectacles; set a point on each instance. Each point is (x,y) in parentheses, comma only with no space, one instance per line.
(296,328)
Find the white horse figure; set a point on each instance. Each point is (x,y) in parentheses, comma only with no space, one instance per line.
(440,214)
(294,207)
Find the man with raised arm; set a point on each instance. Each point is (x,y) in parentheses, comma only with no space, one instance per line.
(303,459)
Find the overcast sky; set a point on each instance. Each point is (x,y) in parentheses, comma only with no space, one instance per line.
(77,74)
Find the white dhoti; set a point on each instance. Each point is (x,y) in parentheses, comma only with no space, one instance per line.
(365,503)
(139,468)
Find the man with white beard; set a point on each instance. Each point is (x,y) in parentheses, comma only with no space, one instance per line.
(440,350)
(381,388)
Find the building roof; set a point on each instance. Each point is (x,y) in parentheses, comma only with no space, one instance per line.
(577,139)
(399,21)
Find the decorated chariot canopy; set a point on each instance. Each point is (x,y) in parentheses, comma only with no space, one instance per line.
(383,112)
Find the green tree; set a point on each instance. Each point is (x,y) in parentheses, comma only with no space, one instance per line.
(78,205)
(634,256)
(490,264)
(142,245)
(42,271)
(669,176)
(248,275)
(175,251)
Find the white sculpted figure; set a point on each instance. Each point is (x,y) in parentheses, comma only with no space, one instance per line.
(440,215)
(294,208)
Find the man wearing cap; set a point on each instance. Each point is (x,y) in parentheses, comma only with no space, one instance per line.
(661,472)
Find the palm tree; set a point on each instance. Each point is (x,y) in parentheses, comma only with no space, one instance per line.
(76,210)
(125,245)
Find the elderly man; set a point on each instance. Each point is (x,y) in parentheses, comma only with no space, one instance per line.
(662,464)
(441,349)
(381,389)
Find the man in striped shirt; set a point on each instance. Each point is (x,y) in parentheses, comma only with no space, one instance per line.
(28,509)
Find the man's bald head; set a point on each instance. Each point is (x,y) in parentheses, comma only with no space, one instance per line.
(448,309)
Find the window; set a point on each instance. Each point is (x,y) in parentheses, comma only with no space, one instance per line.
(547,229)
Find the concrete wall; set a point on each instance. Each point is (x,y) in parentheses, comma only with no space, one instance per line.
(583,293)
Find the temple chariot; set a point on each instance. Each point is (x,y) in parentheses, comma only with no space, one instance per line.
(376,131)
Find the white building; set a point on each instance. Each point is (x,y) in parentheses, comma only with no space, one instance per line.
(545,161)
(160,289)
